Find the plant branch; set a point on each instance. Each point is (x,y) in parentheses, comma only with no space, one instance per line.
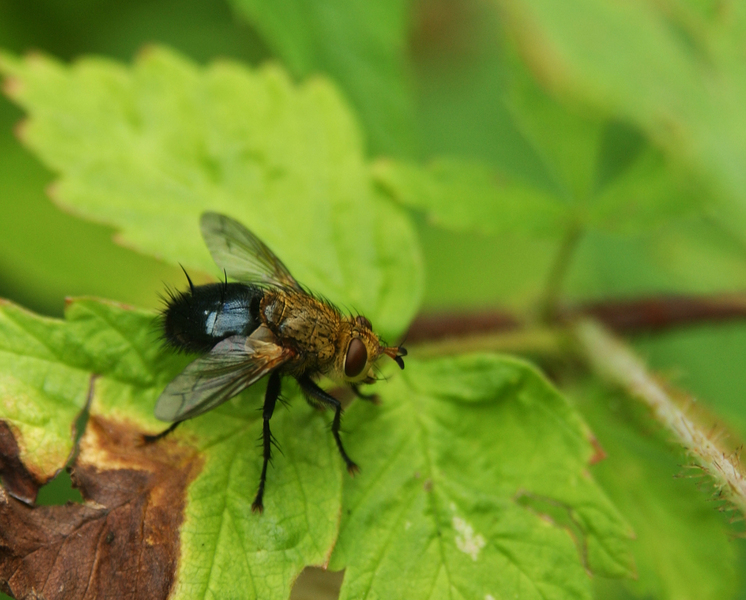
(614,361)
(664,312)
(653,314)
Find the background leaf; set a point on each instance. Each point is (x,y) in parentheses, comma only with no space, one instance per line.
(371,70)
(676,74)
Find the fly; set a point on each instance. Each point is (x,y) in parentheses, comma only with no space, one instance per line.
(266,324)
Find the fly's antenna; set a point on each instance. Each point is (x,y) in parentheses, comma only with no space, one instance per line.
(191,285)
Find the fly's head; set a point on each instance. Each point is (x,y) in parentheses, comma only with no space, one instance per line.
(359,349)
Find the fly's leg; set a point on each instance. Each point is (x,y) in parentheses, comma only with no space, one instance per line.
(270,398)
(317,395)
(149,439)
(369,397)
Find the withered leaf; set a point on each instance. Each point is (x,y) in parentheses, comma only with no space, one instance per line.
(17,480)
(122,543)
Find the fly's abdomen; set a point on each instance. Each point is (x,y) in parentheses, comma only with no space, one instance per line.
(196,320)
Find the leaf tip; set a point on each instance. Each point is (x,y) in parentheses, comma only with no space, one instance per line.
(17,479)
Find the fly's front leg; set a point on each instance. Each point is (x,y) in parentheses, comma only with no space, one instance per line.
(369,397)
(270,398)
(317,395)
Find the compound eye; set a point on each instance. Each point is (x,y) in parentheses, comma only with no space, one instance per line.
(357,357)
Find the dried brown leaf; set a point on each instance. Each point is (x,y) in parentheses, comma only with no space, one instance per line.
(123,542)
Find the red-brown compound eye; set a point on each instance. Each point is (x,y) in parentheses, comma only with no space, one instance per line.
(357,357)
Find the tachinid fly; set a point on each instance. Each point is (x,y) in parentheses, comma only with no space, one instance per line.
(265,325)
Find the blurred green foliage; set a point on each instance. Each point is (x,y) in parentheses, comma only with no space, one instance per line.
(629,119)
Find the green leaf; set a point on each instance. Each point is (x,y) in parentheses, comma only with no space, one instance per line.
(48,368)
(360,44)
(147,149)
(473,469)
(465,195)
(682,547)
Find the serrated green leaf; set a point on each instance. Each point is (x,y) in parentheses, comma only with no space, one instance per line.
(681,548)
(226,551)
(147,149)
(360,44)
(470,196)
(460,463)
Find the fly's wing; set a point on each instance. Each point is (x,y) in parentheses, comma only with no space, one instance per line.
(243,255)
(231,366)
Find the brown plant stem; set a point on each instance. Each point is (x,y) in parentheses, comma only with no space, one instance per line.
(651,314)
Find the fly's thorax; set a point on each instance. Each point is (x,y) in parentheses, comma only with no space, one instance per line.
(305,323)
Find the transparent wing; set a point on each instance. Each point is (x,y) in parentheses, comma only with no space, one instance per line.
(230,367)
(243,255)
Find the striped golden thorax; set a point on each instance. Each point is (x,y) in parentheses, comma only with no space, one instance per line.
(319,333)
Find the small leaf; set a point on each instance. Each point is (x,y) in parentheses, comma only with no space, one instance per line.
(148,149)
(606,174)
(361,45)
(459,463)
(193,489)
(470,196)
(650,192)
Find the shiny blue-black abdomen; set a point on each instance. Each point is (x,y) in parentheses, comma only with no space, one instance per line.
(197,319)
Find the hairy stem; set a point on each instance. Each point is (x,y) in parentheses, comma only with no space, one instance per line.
(614,361)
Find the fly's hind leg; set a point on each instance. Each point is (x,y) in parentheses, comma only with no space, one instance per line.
(318,396)
(270,399)
(149,439)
